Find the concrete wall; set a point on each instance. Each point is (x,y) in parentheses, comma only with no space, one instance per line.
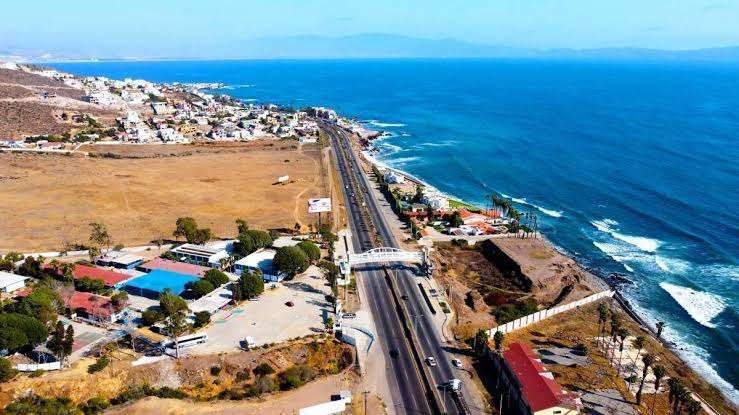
(544,314)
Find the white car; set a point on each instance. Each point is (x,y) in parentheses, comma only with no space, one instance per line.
(457,363)
(431,361)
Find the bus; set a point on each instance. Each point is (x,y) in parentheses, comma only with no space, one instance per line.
(185,341)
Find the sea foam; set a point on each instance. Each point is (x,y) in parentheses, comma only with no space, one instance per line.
(523,201)
(671,265)
(385,124)
(641,242)
(701,306)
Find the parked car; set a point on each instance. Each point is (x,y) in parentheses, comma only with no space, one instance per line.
(457,363)
(289,304)
(404,297)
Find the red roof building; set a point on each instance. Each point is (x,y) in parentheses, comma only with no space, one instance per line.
(96,307)
(174,266)
(536,385)
(108,277)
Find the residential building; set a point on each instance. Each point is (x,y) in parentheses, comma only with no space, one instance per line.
(394,177)
(108,277)
(93,307)
(119,259)
(261,260)
(174,266)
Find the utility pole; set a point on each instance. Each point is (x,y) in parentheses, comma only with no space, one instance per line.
(365,401)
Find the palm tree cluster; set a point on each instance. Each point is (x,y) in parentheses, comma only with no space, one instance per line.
(681,400)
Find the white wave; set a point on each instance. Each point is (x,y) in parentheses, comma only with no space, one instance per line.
(672,265)
(695,356)
(722,271)
(523,201)
(641,242)
(549,212)
(385,124)
(405,135)
(702,306)
(617,253)
(249,100)
(447,143)
(231,87)
(403,160)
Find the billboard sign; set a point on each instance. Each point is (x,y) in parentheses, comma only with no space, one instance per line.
(319,205)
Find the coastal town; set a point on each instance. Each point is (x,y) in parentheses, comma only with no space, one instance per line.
(291,274)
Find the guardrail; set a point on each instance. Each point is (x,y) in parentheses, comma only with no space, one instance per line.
(544,314)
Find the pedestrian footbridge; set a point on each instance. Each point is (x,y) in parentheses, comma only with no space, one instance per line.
(384,255)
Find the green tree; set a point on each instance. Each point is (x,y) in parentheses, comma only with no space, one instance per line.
(498,340)
(20,330)
(200,287)
(43,303)
(659,372)
(481,341)
(202,318)
(68,342)
(623,333)
(185,227)
(241,226)
(56,341)
(602,318)
(7,263)
(119,299)
(311,250)
(215,277)
(94,253)
(151,316)
(251,240)
(176,325)
(456,220)
(171,303)
(6,370)
(99,234)
(660,326)
(291,260)
(249,285)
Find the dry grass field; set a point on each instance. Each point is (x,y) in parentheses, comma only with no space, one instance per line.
(49,199)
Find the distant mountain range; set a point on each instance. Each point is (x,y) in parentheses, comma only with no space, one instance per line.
(388,46)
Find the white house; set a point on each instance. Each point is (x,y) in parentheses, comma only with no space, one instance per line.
(394,177)
(262,260)
(10,282)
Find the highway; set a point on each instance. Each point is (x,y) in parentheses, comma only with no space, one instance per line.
(405,330)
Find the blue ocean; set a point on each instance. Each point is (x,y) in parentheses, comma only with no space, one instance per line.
(632,167)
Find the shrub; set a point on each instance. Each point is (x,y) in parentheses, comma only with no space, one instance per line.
(6,370)
(215,370)
(95,405)
(202,318)
(200,288)
(99,365)
(36,373)
(243,375)
(263,369)
(37,405)
(296,376)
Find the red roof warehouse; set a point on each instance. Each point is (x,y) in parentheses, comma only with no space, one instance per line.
(537,385)
(110,278)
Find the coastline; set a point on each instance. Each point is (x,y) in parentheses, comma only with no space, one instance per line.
(613,281)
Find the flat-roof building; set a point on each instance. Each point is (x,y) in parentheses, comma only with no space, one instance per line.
(208,255)
(93,307)
(119,259)
(151,285)
(108,277)
(174,266)
(261,260)
(10,282)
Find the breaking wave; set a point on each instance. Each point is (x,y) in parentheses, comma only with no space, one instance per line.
(641,242)
(701,306)
(377,123)
(523,201)
(672,265)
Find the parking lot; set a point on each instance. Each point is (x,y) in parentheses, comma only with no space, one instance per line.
(268,319)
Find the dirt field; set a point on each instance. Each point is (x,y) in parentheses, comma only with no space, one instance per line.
(49,199)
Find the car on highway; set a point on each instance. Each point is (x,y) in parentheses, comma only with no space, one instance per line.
(394,353)
(431,361)
(289,304)
(457,363)
(404,297)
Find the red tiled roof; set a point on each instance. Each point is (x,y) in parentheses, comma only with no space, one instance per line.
(539,391)
(93,304)
(110,278)
(174,266)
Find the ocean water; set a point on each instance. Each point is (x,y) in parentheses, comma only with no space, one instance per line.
(631,167)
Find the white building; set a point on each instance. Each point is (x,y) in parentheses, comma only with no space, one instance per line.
(11,282)
(262,260)
(209,254)
(394,177)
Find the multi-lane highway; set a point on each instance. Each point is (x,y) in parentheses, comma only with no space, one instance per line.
(406,333)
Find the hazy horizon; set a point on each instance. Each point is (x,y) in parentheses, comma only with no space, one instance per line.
(230,29)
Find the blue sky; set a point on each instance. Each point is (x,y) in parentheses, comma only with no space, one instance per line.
(182,28)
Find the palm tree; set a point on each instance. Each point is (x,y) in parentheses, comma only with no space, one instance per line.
(638,343)
(623,333)
(659,372)
(693,407)
(602,318)
(615,326)
(677,394)
(648,360)
(498,340)
(660,327)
